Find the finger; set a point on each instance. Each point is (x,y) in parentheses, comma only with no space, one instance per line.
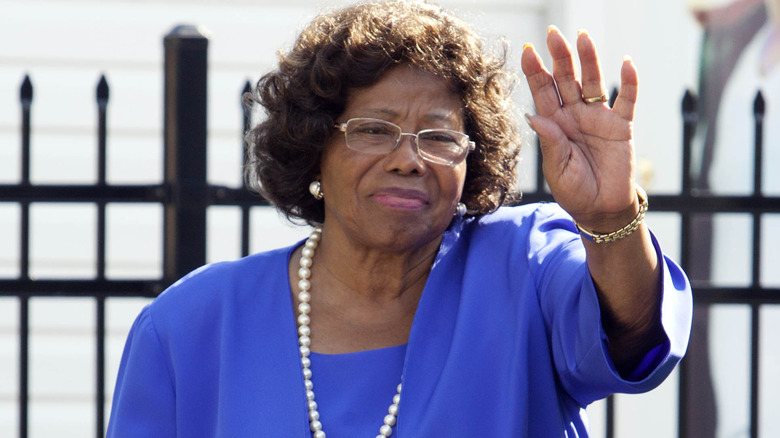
(625,104)
(540,81)
(563,67)
(592,80)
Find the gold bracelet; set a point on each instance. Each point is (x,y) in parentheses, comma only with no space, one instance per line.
(623,232)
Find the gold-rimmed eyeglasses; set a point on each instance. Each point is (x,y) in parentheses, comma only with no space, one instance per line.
(376,136)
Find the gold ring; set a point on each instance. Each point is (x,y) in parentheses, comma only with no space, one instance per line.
(602,98)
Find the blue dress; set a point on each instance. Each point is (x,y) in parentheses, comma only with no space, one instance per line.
(506,342)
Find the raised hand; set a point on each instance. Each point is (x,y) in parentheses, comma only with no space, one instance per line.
(587,147)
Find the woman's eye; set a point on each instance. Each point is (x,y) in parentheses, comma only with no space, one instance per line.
(373,130)
(440,137)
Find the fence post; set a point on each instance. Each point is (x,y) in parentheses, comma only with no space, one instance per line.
(759,109)
(689,103)
(26,96)
(186,65)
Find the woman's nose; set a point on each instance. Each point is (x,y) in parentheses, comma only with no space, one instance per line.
(405,158)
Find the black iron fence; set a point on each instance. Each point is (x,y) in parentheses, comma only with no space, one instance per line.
(697,207)
(186,195)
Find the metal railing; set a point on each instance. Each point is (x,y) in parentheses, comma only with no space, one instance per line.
(185,195)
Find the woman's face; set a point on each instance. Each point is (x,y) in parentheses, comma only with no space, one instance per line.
(396,201)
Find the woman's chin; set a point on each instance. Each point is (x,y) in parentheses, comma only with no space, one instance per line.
(400,232)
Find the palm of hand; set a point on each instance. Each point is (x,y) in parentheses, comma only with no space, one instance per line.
(587,148)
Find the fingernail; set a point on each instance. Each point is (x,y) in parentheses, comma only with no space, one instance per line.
(528,119)
(551,28)
(527,46)
(628,58)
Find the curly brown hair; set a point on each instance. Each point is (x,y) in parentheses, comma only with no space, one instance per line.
(352,48)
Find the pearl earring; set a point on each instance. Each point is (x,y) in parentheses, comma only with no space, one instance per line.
(461,209)
(315,188)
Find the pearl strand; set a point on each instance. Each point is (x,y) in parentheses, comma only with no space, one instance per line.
(304,342)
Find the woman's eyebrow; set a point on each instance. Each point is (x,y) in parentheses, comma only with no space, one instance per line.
(445,116)
(382,112)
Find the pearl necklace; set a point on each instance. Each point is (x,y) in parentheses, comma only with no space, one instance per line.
(304,340)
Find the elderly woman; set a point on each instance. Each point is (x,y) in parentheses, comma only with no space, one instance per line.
(420,305)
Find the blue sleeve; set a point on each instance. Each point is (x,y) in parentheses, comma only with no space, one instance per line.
(144,398)
(571,310)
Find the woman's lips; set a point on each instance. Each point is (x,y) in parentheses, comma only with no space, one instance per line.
(401,198)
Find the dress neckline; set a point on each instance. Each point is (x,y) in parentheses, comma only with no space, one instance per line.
(374,351)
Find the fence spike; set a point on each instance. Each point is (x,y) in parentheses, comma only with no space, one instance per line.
(689,103)
(26,91)
(759,105)
(247,110)
(102,91)
(613,96)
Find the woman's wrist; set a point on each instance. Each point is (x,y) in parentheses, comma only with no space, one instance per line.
(618,232)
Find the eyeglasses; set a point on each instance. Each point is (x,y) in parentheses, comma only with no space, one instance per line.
(375,136)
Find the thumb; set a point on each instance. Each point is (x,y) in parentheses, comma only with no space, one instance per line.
(553,143)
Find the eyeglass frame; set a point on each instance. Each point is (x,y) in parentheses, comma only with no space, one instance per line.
(471,145)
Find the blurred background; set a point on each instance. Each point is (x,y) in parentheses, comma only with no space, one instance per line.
(723,51)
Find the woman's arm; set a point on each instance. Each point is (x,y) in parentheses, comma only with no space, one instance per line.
(588,162)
